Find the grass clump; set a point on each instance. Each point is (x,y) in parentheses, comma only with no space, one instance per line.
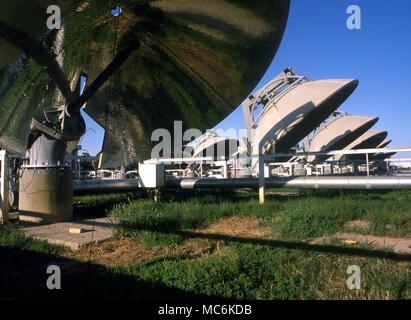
(15,239)
(324,213)
(245,272)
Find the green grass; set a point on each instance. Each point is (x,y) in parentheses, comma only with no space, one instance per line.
(257,272)
(249,269)
(157,222)
(312,214)
(15,239)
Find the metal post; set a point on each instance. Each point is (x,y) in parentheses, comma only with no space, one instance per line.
(235,168)
(4,188)
(157,194)
(78,169)
(261,178)
(225,170)
(368,164)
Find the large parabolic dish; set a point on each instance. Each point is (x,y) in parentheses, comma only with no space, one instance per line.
(292,116)
(197,62)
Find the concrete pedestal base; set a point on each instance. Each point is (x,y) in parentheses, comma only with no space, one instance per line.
(46,194)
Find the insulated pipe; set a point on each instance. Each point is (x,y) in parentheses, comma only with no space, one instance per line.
(373,182)
(81,187)
(346,182)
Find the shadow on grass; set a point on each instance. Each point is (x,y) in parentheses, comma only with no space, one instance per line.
(99,205)
(23,275)
(277,194)
(291,245)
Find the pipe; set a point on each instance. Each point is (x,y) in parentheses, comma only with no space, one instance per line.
(346,182)
(81,187)
(386,182)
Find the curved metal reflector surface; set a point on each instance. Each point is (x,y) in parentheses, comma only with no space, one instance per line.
(197,67)
(383,156)
(197,62)
(299,112)
(385,143)
(25,87)
(339,133)
(216,147)
(370,139)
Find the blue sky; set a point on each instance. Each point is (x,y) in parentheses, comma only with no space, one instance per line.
(318,45)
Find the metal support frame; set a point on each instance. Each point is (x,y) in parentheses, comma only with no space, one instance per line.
(267,95)
(337,152)
(262,158)
(4,188)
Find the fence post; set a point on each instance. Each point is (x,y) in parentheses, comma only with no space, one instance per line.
(225,170)
(368,164)
(4,188)
(261,178)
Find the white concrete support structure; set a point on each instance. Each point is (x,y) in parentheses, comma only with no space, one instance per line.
(4,188)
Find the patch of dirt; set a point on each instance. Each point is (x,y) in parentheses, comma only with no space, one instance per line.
(125,251)
(238,227)
(192,248)
(114,252)
(398,245)
(358,224)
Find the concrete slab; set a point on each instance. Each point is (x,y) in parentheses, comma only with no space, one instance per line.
(95,231)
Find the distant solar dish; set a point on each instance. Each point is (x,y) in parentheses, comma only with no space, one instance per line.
(385,143)
(220,148)
(369,140)
(197,62)
(339,133)
(383,156)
